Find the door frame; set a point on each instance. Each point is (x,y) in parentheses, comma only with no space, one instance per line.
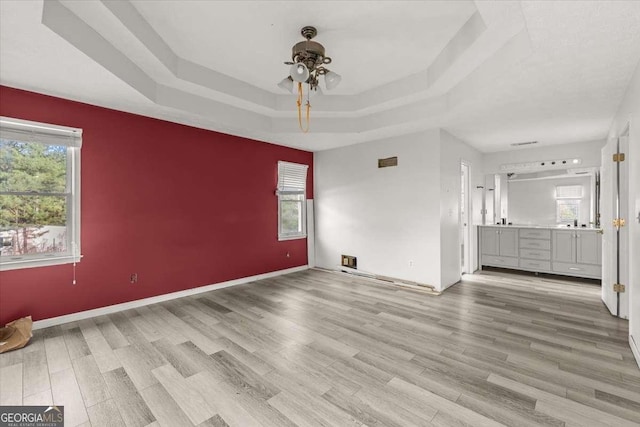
(465,218)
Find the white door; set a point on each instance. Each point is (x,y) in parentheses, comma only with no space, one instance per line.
(607,211)
(466,264)
(624,231)
(633,159)
(614,204)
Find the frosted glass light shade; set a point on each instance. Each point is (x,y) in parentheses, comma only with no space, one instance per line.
(332,79)
(286,84)
(299,72)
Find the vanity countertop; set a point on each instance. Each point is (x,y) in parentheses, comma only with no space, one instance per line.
(546,227)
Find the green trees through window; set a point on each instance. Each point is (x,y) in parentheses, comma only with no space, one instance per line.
(34,198)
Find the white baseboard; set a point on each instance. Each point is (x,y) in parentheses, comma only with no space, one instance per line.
(634,349)
(73,317)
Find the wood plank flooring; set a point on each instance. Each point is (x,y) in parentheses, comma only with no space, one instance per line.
(327,349)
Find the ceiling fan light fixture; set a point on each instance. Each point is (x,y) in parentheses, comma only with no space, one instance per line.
(299,72)
(332,79)
(286,84)
(307,63)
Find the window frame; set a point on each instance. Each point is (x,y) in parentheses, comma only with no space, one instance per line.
(298,188)
(49,134)
(565,194)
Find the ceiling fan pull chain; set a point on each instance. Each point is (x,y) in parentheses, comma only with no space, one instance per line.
(299,102)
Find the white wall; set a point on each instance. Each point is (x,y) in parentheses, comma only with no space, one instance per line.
(401,221)
(629,115)
(388,218)
(534,201)
(588,152)
(452,152)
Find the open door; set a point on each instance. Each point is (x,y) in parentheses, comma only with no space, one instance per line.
(623,230)
(607,203)
(614,204)
(466,263)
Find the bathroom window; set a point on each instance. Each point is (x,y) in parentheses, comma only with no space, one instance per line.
(568,201)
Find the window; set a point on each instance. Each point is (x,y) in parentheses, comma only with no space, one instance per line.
(292,184)
(39,194)
(568,203)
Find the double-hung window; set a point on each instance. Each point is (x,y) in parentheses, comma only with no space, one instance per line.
(568,201)
(39,194)
(292,185)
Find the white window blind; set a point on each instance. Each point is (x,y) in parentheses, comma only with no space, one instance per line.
(569,192)
(292,214)
(21,130)
(292,178)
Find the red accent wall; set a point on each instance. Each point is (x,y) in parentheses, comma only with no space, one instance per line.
(182,207)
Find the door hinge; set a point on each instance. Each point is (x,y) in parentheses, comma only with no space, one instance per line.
(618,157)
(618,287)
(619,222)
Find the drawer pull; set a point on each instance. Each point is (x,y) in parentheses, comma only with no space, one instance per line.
(534,264)
(534,244)
(575,268)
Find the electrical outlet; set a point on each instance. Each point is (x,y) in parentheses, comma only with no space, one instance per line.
(134,278)
(410,263)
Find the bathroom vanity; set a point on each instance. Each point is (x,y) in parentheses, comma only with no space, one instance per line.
(569,251)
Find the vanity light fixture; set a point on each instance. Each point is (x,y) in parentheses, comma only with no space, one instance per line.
(307,65)
(541,164)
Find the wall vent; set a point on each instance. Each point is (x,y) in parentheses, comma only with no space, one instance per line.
(518,144)
(388,162)
(349,261)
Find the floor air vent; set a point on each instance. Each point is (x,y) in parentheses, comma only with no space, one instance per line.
(349,261)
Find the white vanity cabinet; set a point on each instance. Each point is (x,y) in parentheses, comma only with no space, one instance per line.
(535,249)
(577,253)
(499,247)
(570,252)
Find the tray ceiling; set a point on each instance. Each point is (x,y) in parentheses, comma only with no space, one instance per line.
(492,73)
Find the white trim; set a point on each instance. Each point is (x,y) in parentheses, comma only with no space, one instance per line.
(81,315)
(43,261)
(634,349)
(45,127)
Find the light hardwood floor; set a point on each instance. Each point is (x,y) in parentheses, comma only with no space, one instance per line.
(319,348)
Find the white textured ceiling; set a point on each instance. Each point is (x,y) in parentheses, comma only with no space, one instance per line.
(492,73)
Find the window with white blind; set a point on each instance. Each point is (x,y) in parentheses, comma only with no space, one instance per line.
(568,203)
(39,194)
(292,185)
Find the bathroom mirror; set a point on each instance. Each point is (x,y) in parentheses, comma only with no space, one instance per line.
(552,197)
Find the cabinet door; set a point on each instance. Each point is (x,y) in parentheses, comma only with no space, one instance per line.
(508,242)
(564,249)
(588,247)
(489,241)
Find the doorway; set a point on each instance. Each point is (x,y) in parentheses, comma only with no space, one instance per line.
(466,264)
